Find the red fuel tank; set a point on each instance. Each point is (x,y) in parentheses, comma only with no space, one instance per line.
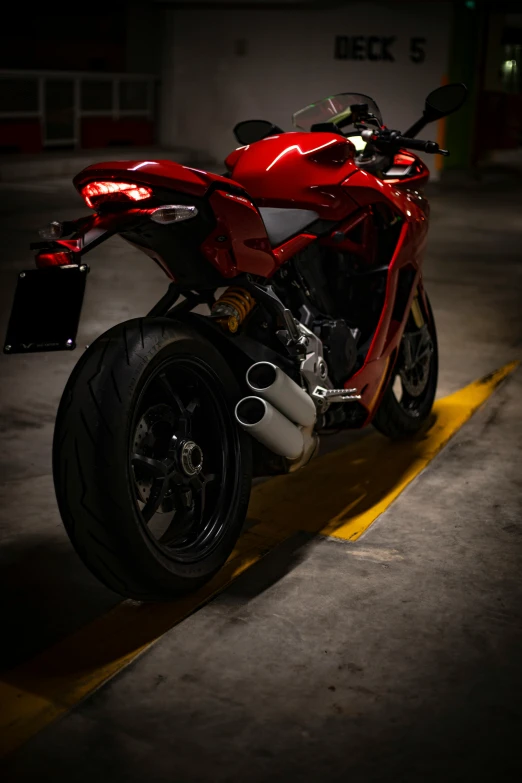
(299,170)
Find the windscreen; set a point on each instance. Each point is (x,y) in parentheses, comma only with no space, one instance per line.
(338,109)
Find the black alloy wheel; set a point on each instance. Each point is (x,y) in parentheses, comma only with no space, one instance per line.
(152,472)
(180,453)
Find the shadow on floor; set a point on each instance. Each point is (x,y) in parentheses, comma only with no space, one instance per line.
(56,596)
(47,594)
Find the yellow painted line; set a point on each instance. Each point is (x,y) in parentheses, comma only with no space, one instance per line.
(34,694)
(339,494)
(342,493)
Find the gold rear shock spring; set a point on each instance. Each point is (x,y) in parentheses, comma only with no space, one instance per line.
(232,307)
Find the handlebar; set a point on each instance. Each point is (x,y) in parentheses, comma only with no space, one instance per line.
(387,140)
(423,146)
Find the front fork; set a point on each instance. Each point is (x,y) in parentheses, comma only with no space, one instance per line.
(417,346)
(416,311)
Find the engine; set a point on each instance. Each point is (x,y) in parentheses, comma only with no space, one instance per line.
(321,289)
(340,348)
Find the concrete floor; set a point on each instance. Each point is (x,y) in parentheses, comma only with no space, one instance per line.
(395,658)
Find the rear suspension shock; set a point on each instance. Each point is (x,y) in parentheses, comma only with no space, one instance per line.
(232,307)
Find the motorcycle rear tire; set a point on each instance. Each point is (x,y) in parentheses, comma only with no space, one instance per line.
(94,476)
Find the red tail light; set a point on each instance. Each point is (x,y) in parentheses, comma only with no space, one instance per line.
(96,192)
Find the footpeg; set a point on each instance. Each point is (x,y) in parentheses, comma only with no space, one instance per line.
(324,397)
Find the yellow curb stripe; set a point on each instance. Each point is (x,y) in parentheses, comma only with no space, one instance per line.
(34,694)
(450,414)
(339,494)
(342,493)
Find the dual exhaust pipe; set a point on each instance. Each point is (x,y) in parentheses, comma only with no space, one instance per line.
(279,414)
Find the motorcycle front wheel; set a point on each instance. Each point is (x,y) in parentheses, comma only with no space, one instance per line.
(407,402)
(152,473)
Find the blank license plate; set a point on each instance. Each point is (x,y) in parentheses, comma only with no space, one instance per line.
(46,310)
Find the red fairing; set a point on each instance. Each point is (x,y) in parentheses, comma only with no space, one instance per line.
(420,176)
(371,379)
(163,173)
(233,158)
(366,189)
(298,170)
(240,242)
(403,159)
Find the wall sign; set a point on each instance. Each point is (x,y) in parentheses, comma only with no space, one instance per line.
(375,47)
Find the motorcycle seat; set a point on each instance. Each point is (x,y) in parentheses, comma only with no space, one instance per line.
(281,224)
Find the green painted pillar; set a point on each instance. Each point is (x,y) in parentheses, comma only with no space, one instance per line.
(466,65)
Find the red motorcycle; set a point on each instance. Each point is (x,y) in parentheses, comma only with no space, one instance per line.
(304,264)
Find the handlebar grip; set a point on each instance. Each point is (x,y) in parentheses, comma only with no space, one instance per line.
(392,139)
(423,146)
(419,144)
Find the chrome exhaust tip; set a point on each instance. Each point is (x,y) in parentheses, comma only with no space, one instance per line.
(272,384)
(270,427)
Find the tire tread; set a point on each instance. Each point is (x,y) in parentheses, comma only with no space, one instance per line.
(92,503)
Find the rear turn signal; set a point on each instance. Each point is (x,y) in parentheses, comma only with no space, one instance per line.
(173,213)
(97,192)
(52,230)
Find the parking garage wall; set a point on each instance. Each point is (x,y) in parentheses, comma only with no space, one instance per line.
(223,66)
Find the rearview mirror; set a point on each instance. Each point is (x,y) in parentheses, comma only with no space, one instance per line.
(249,131)
(444,100)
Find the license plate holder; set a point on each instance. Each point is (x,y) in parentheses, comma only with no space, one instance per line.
(46,309)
